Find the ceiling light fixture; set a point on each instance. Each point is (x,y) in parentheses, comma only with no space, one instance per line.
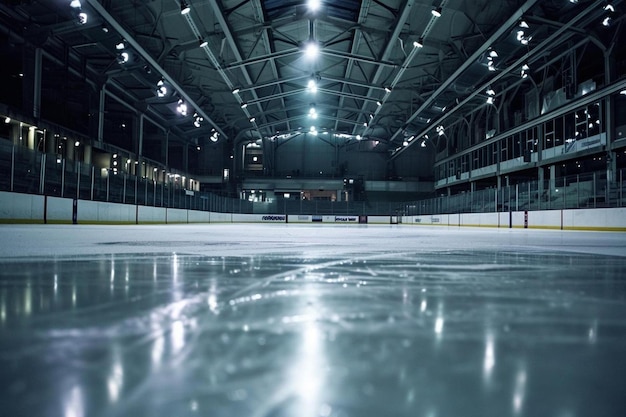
(236,91)
(82,18)
(120,46)
(202,42)
(197,119)
(314,5)
(493,54)
(184,7)
(252,119)
(312,49)
(123,58)
(7,120)
(436,11)
(419,43)
(312,86)
(75,4)
(244,105)
(182,107)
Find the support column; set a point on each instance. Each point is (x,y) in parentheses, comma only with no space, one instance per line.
(50,142)
(138,142)
(87,154)
(31,139)
(186,157)
(165,149)
(71,150)
(101,114)
(15,134)
(37,83)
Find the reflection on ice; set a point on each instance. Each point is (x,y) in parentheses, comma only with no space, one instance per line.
(177,336)
(519,392)
(290,336)
(116,377)
(489,360)
(74,405)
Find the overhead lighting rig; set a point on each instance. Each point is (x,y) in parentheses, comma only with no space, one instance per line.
(184,7)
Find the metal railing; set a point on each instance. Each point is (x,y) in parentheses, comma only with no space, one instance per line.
(27,171)
(590,190)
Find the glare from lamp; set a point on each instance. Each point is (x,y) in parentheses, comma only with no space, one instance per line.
(314,5)
(312,50)
(82,18)
(7,120)
(75,4)
(184,7)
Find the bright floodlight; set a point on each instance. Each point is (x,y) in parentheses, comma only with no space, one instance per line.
(75,4)
(314,5)
(184,7)
(312,50)
(312,86)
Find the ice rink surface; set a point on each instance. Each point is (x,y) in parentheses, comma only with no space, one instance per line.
(306,321)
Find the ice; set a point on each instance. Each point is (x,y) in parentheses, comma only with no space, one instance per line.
(296,320)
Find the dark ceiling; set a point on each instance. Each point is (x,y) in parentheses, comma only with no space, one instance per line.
(387,70)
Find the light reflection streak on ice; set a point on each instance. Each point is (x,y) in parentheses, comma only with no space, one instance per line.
(593,332)
(212,299)
(177,336)
(3,307)
(73,404)
(27,300)
(157,350)
(115,380)
(519,391)
(439,322)
(489,360)
(308,378)
(175,268)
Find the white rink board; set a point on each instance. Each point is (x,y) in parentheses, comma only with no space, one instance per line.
(25,207)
